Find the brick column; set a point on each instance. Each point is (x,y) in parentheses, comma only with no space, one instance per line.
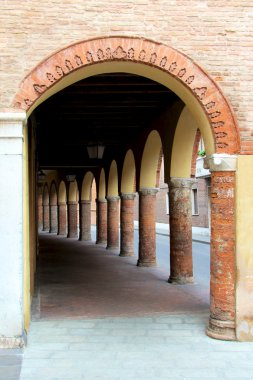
(112,222)
(85,221)
(72,220)
(181,271)
(46,217)
(223,276)
(127,224)
(40,208)
(101,221)
(53,221)
(147,227)
(62,219)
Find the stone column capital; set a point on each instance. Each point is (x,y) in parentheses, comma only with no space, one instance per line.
(101,200)
(221,162)
(72,202)
(14,116)
(148,191)
(112,198)
(181,182)
(129,196)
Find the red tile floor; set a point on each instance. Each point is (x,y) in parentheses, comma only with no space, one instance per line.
(83,280)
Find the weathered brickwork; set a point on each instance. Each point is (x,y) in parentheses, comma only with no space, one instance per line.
(215,34)
(223,254)
(85,220)
(147,231)
(112,222)
(62,219)
(72,220)
(127,225)
(101,221)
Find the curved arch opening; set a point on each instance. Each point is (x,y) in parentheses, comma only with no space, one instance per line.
(128,173)
(150,160)
(113,180)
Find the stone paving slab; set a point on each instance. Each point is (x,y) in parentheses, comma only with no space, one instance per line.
(10,363)
(155,347)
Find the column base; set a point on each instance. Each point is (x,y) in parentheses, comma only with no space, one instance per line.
(126,254)
(13,342)
(113,247)
(182,280)
(101,242)
(72,236)
(146,263)
(85,238)
(222,330)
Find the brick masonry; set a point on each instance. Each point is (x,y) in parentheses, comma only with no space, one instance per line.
(62,219)
(127,225)
(217,35)
(222,282)
(72,220)
(112,222)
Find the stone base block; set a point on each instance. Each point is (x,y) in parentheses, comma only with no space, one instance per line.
(182,280)
(146,263)
(222,330)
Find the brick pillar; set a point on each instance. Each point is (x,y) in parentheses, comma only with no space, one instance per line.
(53,221)
(181,271)
(40,208)
(223,276)
(147,227)
(112,222)
(101,221)
(46,217)
(72,220)
(85,221)
(127,225)
(62,219)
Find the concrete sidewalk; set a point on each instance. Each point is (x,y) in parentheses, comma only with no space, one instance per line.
(200,235)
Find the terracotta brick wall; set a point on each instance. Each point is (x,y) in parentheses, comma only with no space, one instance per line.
(216,34)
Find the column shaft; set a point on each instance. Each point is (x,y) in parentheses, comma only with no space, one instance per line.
(222,283)
(46,218)
(62,219)
(85,221)
(147,227)
(53,218)
(127,225)
(181,270)
(101,221)
(112,222)
(72,220)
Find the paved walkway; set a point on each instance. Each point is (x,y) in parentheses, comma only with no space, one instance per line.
(99,316)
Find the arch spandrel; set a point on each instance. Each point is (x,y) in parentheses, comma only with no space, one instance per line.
(143,57)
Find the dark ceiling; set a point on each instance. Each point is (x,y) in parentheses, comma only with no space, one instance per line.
(112,109)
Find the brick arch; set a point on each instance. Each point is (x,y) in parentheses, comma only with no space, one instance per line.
(54,73)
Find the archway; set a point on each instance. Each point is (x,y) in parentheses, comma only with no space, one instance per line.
(207,105)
